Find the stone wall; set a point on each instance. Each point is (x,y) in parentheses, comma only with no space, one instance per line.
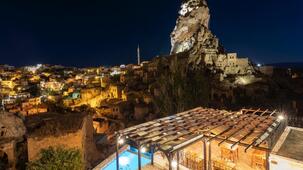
(10,150)
(91,154)
(71,140)
(101,127)
(87,94)
(81,139)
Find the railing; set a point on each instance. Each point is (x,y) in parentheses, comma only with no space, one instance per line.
(222,165)
(191,161)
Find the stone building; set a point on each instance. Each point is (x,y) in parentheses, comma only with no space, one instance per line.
(89,93)
(101,126)
(71,130)
(12,131)
(115,91)
(7,84)
(230,64)
(52,85)
(115,108)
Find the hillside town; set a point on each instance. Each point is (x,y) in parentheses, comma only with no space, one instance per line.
(46,105)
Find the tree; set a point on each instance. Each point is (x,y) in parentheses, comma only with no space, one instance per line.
(181,87)
(57,159)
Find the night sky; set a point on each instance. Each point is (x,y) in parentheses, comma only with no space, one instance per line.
(107,32)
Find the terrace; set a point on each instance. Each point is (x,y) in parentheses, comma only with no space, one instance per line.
(204,138)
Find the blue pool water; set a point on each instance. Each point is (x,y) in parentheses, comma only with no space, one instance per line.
(127,161)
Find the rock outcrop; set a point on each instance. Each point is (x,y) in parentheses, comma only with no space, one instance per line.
(11,126)
(192,28)
(192,34)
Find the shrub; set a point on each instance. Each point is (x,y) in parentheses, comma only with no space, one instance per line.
(57,159)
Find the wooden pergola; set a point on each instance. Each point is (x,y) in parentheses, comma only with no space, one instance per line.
(247,127)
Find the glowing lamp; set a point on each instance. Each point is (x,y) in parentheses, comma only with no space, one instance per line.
(121,141)
(174,164)
(143,149)
(281,117)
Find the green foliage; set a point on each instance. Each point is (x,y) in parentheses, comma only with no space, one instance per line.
(57,159)
(181,87)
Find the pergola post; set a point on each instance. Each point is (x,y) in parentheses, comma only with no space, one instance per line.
(205,154)
(267,160)
(117,152)
(209,155)
(178,159)
(139,157)
(170,162)
(152,155)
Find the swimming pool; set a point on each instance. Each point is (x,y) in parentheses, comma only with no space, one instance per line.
(128,160)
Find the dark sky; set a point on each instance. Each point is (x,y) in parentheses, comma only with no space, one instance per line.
(107,32)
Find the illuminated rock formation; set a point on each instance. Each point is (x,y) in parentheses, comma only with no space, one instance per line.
(192,28)
(192,34)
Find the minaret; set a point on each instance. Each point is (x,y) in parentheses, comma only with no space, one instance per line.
(138,55)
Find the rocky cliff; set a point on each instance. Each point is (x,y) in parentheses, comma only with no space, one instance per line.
(192,28)
(192,35)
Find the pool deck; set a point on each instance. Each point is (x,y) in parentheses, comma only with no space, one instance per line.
(155,167)
(151,167)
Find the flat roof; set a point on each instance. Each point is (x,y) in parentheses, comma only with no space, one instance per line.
(247,127)
(53,124)
(290,145)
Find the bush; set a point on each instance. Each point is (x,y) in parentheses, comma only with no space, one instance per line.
(57,159)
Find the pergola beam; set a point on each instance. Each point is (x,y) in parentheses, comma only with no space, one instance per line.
(253,129)
(209,124)
(256,139)
(187,128)
(228,129)
(163,133)
(236,131)
(187,143)
(170,126)
(242,144)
